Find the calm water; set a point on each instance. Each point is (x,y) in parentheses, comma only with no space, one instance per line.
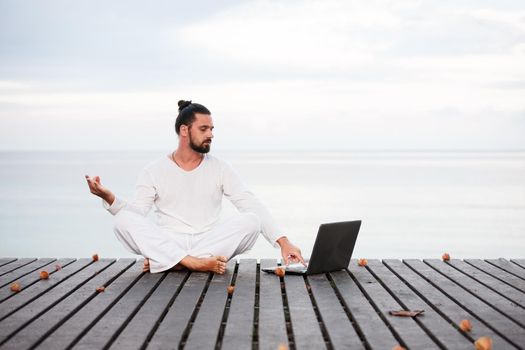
(413,204)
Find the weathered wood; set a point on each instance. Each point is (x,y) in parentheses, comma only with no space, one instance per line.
(340,330)
(169,333)
(520,262)
(33,277)
(34,332)
(482,311)
(504,305)
(136,333)
(24,270)
(105,330)
(430,291)
(4,261)
(306,330)
(272,323)
(238,333)
(205,329)
(27,295)
(508,266)
(376,333)
(15,265)
(340,310)
(441,329)
(498,273)
(79,323)
(508,292)
(13,323)
(407,328)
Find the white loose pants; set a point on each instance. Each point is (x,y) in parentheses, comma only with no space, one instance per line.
(165,248)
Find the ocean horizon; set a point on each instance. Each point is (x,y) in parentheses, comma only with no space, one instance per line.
(413,204)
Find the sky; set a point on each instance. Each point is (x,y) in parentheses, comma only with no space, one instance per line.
(294,75)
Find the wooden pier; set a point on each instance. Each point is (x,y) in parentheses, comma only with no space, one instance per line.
(340,310)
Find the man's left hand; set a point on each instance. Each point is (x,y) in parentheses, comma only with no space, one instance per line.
(289,252)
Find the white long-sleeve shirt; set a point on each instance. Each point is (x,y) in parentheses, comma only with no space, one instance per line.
(190,201)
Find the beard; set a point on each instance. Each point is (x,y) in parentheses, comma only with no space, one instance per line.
(202,148)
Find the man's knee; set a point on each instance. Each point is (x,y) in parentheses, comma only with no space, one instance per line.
(122,220)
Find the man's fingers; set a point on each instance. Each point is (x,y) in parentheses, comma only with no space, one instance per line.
(302,260)
(285,257)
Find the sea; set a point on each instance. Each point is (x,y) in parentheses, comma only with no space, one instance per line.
(412,204)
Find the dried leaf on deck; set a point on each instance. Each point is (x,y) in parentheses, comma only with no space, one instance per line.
(406,313)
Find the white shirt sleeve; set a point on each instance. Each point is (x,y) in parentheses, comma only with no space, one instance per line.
(143,199)
(245,201)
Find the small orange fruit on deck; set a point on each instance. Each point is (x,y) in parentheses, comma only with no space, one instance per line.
(465,325)
(44,275)
(362,262)
(230,289)
(101,289)
(15,287)
(282,347)
(483,343)
(446,257)
(280,271)
(95,257)
(398,347)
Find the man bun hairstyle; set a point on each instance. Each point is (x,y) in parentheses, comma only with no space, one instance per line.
(187,110)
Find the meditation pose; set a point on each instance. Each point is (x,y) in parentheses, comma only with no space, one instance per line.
(186,187)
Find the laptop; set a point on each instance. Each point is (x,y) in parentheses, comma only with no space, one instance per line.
(332,249)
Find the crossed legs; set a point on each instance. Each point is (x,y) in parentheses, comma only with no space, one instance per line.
(208,251)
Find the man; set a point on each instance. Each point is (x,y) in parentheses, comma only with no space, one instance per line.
(186,188)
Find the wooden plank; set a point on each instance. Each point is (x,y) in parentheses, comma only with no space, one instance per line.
(482,311)
(136,333)
(452,309)
(17,320)
(33,333)
(442,329)
(27,295)
(306,330)
(204,332)
(504,305)
(408,329)
(15,265)
(24,270)
(376,333)
(238,333)
(508,292)
(106,329)
(272,324)
(71,330)
(498,273)
(520,262)
(32,278)
(4,261)
(340,330)
(169,333)
(508,266)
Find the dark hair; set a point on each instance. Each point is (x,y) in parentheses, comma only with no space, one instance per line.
(187,111)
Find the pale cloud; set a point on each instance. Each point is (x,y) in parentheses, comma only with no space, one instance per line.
(303,74)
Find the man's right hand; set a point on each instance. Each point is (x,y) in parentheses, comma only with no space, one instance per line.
(98,190)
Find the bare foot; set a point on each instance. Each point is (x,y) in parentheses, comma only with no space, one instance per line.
(215,264)
(145,268)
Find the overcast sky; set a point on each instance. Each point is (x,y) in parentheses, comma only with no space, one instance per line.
(309,75)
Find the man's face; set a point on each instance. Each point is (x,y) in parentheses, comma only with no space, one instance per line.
(200,133)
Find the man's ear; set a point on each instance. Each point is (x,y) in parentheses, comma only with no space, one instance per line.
(183,130)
